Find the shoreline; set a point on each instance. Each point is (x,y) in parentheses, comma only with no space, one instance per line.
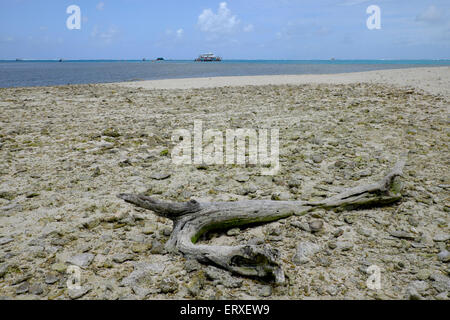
(431,79)
(434,80)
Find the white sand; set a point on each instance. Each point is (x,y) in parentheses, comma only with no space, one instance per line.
(435,80)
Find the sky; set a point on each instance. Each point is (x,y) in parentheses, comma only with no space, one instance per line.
(233,29)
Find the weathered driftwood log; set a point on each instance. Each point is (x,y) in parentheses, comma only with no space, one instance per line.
(193,219)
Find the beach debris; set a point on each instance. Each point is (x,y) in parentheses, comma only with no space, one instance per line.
(122,257)
(4,241)
(241,178)
(36,289)
(192,219)
(316,225)
(23,288)
(160,175)
(402,235)
(304,251)
(51,278)
(81,260)
(78,292)
(444,256)
(169,285)
(111,132)
(3,269)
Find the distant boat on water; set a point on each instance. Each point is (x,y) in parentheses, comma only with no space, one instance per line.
(160,59)
(19,59)
(208,57)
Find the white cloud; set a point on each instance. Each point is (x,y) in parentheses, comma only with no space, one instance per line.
(430,15)
(249,28)
(178,34)
(360,2)
(106,36)
(353,2)
(303,29)
(7,39)
(100,6)
(221,22)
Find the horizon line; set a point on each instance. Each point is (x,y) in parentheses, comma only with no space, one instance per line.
(235,59)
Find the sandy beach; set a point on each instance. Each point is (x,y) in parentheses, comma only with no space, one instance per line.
(433,80)
(67,151)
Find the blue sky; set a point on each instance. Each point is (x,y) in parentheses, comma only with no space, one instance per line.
(234,29)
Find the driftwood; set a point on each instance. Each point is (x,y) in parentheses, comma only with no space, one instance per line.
(193,219)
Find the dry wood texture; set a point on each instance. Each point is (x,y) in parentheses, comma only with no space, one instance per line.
(193,219)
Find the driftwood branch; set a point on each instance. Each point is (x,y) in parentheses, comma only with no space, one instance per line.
(193,219)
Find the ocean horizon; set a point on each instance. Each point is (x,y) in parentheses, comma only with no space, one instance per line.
(332,60)
(28,73)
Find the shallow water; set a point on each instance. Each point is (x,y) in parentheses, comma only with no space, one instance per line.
(48,73)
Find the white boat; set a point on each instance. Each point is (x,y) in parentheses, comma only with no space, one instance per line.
(208,57)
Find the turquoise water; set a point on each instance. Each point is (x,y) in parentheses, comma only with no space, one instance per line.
(52,72)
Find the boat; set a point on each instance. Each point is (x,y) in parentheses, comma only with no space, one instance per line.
(143,59)
(160,59)
(208,57)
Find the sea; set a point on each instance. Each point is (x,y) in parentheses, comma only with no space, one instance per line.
(30,73)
